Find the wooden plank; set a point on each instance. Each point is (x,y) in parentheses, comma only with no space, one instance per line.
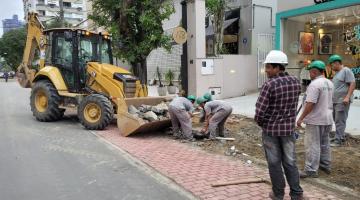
(244,181)
(224,138)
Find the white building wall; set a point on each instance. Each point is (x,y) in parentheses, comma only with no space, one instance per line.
(264,20)
(284,5)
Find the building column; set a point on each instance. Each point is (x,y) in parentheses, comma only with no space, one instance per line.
(196,42)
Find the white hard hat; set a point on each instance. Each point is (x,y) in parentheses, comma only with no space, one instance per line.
(276,56)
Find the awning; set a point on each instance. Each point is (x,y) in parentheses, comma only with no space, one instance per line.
(227,23)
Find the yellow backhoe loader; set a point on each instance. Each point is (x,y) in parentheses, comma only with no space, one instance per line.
(75,70)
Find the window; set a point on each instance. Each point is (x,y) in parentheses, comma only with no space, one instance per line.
(67,4)
(63,52)
(105,52)
(41,12)
(41,2)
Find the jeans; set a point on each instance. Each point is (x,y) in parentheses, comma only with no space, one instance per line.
(280,153)
(340,113)
(317,146)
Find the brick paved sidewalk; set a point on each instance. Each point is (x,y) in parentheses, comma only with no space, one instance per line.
(195,170)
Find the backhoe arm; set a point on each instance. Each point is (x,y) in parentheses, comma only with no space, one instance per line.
(35,40)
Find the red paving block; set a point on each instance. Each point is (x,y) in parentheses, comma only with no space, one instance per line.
(196,170)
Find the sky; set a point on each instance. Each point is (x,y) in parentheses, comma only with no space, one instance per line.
(8,8)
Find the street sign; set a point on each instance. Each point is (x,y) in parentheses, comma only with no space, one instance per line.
(180,35)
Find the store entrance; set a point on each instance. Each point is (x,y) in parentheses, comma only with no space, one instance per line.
(316,36)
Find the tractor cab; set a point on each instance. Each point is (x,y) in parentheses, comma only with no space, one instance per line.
(70,49)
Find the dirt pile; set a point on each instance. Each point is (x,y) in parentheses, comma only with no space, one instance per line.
(248,147)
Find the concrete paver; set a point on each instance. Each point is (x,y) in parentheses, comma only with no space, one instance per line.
(195,170)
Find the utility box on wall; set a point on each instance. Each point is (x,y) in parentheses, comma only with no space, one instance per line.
(215,92)
(207,67)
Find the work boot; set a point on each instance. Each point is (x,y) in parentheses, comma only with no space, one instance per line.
(325,169)
(337,143)
(308,174)
(273,197)
(300,197)
(188,140)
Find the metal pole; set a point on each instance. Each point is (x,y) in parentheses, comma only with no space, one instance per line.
(184,56)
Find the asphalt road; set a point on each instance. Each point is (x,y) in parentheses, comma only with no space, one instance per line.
(61,160)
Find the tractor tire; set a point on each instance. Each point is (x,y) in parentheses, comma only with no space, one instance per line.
(44,102)
(95,112)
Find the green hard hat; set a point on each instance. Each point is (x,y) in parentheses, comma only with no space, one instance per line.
(200,100)
(207,96)
(191,98)
(318,64)
(334,58)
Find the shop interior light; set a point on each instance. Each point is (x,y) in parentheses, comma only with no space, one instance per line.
(321,30)
(338,21)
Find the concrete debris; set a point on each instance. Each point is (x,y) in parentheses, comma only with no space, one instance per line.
(232,151)
(249,162)
(160,109)
(150,113)
(144,108)
(132,110)
(151,116)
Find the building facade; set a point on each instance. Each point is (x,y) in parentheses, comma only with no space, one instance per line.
(75,11)
(315,29)
(244,22)
(10,24)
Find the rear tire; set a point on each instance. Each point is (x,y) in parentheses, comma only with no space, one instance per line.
(44,102)
(95,112)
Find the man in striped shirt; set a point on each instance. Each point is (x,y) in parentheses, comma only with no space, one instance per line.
(276,115)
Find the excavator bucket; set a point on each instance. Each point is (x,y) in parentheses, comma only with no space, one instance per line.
(129,124)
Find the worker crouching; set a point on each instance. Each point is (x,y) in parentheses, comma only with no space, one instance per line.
(180,110)
(216,114)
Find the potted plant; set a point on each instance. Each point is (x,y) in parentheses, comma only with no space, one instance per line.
(169,76)
(161,88)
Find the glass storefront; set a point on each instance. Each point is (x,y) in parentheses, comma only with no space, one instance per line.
(316,36)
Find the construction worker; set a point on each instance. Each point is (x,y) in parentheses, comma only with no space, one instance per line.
(276,115)
(329,72)
(344,86)
(317,115)
(207,96)
(180,110)
(216,114)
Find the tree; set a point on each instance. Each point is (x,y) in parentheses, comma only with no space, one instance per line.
(56,23)
(136,28)
(216,12)
(12,46)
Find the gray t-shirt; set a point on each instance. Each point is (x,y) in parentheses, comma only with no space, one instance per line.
(320,92)
(182,103)
(342,80)
(212,107)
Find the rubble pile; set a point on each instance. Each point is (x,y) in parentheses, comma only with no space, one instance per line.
(150,113)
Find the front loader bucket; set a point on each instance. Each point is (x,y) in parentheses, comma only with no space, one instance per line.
(129,124)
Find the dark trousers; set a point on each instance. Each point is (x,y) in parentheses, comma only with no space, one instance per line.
(280,153)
